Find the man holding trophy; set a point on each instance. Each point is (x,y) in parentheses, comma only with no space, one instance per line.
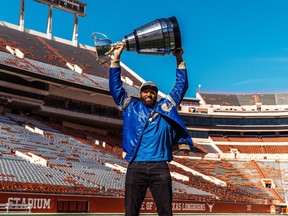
(151,129)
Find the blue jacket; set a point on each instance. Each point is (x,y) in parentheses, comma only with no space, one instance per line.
(136,114)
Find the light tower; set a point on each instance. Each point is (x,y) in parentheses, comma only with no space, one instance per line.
(72,6)
(21,16)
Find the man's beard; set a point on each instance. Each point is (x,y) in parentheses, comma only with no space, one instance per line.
(148,101)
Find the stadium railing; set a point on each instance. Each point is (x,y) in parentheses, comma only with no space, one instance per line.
(11,207)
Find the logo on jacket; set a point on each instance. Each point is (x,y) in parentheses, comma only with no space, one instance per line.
(166,107)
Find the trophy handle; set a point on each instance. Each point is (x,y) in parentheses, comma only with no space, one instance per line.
(104,46)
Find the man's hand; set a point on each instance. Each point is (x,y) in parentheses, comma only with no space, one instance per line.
(178,53)
(118,51)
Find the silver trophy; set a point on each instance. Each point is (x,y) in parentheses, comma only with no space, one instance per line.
(159,37)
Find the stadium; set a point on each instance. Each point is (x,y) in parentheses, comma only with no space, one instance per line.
(60,138)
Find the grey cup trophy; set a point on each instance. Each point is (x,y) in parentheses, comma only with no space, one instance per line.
(159,37)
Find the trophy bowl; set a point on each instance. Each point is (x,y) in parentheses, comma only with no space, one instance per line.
(159,37)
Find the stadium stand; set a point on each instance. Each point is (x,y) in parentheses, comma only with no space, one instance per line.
(70,162)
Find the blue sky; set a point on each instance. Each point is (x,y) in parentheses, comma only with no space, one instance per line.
(238,46)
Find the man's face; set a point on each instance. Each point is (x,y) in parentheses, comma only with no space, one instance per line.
(148,97)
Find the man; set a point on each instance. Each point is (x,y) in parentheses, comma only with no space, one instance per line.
(150,129)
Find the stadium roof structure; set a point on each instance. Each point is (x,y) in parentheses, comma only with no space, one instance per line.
(244,99)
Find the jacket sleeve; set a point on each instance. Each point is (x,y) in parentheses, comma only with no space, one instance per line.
(179,90)
(116,86)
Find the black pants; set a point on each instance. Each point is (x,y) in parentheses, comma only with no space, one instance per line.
(143,175)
